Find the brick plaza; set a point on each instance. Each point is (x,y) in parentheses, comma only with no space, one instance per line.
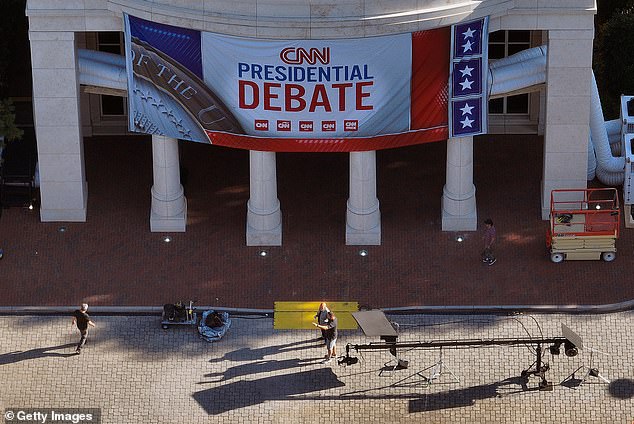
(136,372)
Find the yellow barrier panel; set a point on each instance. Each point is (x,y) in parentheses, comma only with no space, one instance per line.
(301,315)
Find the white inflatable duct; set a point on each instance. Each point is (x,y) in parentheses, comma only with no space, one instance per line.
(610,169)
(102,69)
(524,55)
(613,128)
(97,56)
(519,71)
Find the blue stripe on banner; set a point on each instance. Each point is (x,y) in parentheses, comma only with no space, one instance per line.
(181,44)
(468,103)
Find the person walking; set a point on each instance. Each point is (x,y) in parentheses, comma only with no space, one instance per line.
(322,317)
(331,334)
(82,320)
(489,241)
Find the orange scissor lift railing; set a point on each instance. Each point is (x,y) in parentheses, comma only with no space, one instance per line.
(584,224)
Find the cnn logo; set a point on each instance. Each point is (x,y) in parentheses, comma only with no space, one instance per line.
(283,125)
(328,126)
(305,125)
(299,55)
(261,125)
(350,125)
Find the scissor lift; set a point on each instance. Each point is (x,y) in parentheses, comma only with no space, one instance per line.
(584,224)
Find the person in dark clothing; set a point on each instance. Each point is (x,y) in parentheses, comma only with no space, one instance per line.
(489,241)
(82,320)
(331,334)
(322,317)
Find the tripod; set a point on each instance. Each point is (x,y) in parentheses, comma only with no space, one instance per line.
(538,368)
(437,370)
(591,371)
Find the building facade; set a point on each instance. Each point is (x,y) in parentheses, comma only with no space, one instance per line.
(66,110)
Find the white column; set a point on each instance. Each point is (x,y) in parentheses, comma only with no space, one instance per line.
(458,200)
(169,206)
(568,77)
(60,146)
(363,217)
(264,217)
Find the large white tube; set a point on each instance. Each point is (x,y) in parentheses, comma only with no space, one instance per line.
(613,128)
(522,56)
(97,56)
(102,69)
(606,163)
(519,71)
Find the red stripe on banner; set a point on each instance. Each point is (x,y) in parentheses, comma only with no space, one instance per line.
(273,144)
(430,78)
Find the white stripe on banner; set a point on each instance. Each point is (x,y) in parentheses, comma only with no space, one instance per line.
(348,79)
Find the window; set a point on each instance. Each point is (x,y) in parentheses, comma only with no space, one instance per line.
(502,44)
(110,42)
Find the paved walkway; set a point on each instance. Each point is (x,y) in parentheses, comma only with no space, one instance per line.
(114,260)
(136,372)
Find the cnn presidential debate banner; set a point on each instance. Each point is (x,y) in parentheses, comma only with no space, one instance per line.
(290,95)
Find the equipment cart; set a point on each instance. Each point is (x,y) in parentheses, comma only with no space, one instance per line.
(179,314)
(584,224)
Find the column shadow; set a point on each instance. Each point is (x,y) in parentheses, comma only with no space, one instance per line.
(249,354)
(241,394)
(259,367)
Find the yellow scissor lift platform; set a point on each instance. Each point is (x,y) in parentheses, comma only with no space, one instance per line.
(584,224)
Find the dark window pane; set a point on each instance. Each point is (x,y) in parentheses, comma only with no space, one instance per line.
(112,105)
(496,51)
(497,36)
(110,49)
(108,38)
(519,36)
(496,106)
(517,104)
(514,48)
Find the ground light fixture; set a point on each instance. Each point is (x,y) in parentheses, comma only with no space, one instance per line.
(263,253)
(459,238)
(62,229)
(363,252)
(167,239)
(30,206)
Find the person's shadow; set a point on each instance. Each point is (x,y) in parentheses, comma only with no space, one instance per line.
(17,356)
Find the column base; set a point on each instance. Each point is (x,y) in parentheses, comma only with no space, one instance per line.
(169,224)
(264,228)
(549,185)
(271,237)
(63,215)
(627,213)
(466,222)
(371,237)
(363,228)
(66,215)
